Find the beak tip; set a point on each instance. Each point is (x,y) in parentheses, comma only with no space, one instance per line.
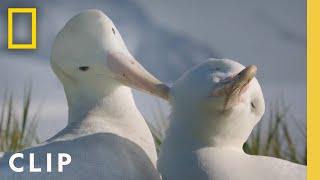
(164,91)
(252,68)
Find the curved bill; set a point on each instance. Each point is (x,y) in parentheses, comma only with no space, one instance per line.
(131,73)
(235,86)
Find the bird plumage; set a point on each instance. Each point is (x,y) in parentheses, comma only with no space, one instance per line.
(106,135)
(215,106)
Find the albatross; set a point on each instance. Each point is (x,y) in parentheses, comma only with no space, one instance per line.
(106,135)
(215,106)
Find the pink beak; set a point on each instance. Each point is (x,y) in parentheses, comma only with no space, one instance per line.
(131,73)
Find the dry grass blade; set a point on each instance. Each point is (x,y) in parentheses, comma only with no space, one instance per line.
(276,139)
(17,128)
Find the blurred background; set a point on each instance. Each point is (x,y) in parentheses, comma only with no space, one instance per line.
(167,37)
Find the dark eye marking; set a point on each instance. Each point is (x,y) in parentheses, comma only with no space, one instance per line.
(252,105)
(84,68)
(114,32)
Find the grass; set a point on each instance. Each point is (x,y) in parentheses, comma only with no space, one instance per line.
(17,124)
(271,137)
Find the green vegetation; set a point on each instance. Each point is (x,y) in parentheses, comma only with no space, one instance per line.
(17,125)
(273,137)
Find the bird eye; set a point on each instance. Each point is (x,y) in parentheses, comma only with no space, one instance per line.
(84,68)
(114,32)
(252,105)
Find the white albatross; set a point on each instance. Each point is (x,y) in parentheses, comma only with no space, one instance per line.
(106,135)
(215,106)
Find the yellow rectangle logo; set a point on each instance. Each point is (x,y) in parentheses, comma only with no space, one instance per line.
(33,44)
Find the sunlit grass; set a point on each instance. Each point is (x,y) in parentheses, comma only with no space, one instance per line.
(17,124)
(273,136)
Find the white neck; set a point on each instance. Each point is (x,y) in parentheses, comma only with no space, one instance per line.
(102,108)
(192,131)
(115,104)
(108,109)
(111,110)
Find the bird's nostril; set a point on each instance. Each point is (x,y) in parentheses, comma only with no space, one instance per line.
(84,68)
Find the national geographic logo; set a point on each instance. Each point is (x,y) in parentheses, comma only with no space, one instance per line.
(22,11)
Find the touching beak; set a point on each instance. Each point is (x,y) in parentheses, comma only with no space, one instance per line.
(233,87)
(131,73)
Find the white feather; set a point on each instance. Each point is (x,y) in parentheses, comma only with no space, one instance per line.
(205,143)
